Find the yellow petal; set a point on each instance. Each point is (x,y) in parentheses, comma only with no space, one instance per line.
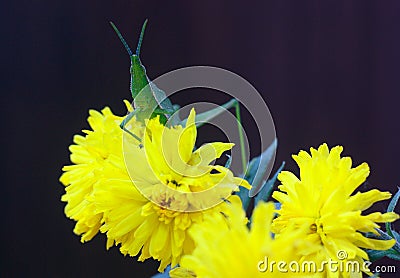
(209,152)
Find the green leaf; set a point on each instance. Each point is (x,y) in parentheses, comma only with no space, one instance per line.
(391,208)
(267,188)
(252,169)
(259,166)
(174,119)
(244,197)
(396,236)
(205,117)
(255,172)
(394,201)
(229,161)
(382,235)
(393,254)
(386,236)
(249,176)
(375,255)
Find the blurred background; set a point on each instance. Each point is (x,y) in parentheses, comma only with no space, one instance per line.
(328,70)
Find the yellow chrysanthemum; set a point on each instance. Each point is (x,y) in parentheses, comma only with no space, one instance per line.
(89,154)
(323,200)
(169,166)
(226,247)
(149,195)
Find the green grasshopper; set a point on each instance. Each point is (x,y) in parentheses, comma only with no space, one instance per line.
(148,100)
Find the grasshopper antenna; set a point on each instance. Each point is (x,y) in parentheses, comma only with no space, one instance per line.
(122,38)
(139,45)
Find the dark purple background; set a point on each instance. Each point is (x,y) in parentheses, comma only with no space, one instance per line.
(329,71)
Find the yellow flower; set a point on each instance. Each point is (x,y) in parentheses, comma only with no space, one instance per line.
(168,166)
(324,200)
(89,155)
(154,192)
(226,247)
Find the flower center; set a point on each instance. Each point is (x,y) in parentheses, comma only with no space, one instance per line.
(317,227)
(173,183)
(313,227)
(166,198)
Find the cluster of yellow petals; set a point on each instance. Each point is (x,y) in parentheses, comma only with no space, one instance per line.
(227,247)
(323,199)
(318,231)
(140,192)
(153,195)
(89,155)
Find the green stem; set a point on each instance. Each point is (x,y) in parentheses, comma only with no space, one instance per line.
(241,138)
(389,229)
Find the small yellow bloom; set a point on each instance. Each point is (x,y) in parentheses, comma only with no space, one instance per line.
(90,154)
(324,200)
(226,247)
(155,191)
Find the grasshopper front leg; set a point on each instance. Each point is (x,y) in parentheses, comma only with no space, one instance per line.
(125,122)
